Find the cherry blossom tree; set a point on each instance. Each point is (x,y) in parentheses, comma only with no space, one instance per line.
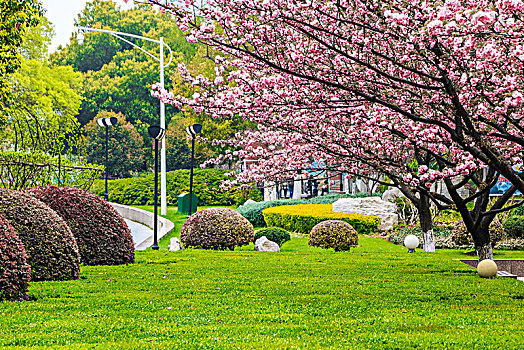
(441,78)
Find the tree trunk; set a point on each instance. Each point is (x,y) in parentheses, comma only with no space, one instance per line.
(484,252)
(426,224)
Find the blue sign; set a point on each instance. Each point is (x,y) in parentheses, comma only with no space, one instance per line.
(503,184)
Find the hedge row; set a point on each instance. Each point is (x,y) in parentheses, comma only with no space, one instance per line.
(303,217)
(206,185)
(253,211)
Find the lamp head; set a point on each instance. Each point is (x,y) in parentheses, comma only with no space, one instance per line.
(80,37)
(411,242)
(107,121)
(194,129)
(156,132)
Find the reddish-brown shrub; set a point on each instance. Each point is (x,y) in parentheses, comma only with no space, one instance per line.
(101,233)
(217,228)
(15,273)
(51,248)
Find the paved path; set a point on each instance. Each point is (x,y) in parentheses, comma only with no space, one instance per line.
(139,232)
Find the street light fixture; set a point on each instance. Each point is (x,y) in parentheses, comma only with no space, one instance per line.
(106,122)
(192,131)
(157,133)
(160,59)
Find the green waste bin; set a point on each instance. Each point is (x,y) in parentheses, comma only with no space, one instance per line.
(183,203)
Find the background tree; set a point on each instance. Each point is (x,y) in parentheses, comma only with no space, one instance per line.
(15,17)
(125,153)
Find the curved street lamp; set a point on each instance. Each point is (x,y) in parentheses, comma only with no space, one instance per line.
(157,133)
(192,131)
(106,122)
(160,59)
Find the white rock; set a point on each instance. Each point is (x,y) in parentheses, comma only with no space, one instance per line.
(265,245)
(175,244)
(249,201)
(387,211)
(392,194)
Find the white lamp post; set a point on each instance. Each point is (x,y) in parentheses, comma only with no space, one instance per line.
(160,59)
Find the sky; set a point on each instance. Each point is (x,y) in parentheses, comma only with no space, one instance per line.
(62,13)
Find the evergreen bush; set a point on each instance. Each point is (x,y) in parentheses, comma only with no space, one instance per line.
(335,234)
(51,248)
(275,234)
(15,273)
(303,217)
(206,185)
(216,228)
(514,226)
(101,233)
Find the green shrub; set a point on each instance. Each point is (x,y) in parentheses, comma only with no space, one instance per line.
(206,185)
(15,273)
(101,233)
(51,248)
(302,217)
(275,234)
(519,211)
(335,234)
(460,235)
(514,226)
(253,211)
(216,228)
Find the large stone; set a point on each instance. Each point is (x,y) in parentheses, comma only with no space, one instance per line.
(175,244)
(370,206)
(265,245)
(249,201)
(392,194)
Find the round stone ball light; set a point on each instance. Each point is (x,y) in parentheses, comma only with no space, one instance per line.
(411,242)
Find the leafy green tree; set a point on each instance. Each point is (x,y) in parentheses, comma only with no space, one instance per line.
(15,17)
(125,152)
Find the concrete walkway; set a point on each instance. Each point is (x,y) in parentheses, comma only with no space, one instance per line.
(139,232)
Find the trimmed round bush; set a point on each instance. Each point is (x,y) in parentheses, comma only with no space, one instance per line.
(216,228)
(514,226)
(275,234)
(335,234)
(15,273)
(102,235)
(51,248)
(460,235)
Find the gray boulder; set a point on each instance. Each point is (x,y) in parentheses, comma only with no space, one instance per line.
(175,244)
(249,201)
(375,206)
(392,194)
(265,245)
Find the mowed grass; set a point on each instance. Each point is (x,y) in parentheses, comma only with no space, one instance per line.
(374,297)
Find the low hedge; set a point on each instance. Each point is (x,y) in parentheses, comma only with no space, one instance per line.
(303,217)
(51,248)
(15,273)
(101,233)
(206,185)
(253,211)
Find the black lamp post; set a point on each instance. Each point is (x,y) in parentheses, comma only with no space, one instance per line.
(106,122)
(192,131)
(157,133)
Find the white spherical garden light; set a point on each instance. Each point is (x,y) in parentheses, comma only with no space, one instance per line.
(411,242)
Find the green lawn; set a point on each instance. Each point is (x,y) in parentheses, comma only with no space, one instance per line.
(374,297)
